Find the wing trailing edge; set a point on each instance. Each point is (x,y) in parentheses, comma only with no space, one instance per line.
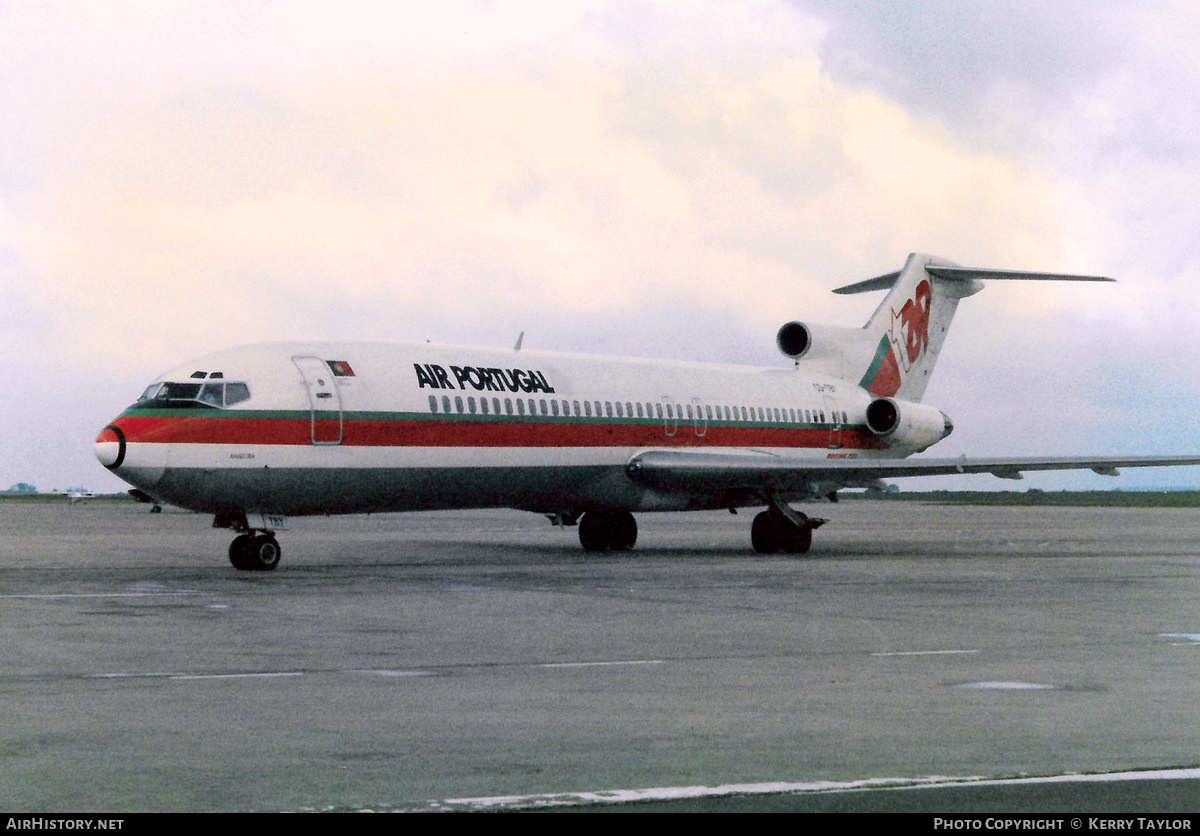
(670,469)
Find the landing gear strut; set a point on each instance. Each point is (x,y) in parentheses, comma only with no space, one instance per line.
(782,528)
(252,552)
(600,530)
(254,549)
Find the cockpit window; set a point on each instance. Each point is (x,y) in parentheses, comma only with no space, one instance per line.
(178,392)
(215,395)
(236,393)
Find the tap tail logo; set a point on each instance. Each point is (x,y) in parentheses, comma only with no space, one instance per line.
(902,345)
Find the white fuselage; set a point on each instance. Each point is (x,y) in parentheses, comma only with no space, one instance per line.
(313,428)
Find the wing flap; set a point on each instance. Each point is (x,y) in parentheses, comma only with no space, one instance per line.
(671,469)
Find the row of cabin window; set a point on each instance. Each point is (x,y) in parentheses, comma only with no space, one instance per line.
(617,409)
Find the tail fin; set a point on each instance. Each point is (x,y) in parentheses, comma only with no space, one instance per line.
(912,321)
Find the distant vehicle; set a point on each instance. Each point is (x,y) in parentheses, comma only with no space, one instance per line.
(258,433)
(76,497)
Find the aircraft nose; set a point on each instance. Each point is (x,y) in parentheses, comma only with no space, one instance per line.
(110,447)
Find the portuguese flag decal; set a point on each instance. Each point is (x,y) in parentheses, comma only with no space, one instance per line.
(883,375)
(340,368)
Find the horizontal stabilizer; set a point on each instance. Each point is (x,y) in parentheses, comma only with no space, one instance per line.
(966,274)
(883,282)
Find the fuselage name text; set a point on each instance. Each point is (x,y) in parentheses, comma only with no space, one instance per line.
(432,376)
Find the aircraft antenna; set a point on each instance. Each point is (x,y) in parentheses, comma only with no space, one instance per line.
(521,337)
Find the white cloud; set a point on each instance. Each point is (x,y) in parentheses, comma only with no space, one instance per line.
(183,177)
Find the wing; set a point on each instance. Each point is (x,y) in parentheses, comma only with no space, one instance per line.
(672,469)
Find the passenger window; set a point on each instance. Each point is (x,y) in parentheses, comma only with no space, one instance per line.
(587,408)
(433,403)
(471,405)
(508,406)
(520,406)
(445,403)
(458,405)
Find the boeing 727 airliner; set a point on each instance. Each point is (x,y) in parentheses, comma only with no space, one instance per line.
(255,434)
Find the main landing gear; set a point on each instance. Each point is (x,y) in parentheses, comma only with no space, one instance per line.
(600,530)
(781,528)
(251,552)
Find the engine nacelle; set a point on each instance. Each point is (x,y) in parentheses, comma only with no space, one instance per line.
(909,425)
(819,344)
(794,339)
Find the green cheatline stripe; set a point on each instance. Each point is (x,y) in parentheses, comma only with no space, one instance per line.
(305,415)
(873,369)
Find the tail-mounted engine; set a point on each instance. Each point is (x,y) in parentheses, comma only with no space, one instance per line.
(910,425)
(794,339)
(821,345)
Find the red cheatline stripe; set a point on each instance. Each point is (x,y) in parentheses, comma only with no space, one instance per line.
(433,432)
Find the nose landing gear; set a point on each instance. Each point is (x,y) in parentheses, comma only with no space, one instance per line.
(255,549)
(252,552)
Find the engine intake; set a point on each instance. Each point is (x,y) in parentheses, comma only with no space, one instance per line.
(794,339)
(909,425)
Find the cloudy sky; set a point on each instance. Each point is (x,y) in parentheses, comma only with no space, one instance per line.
(639,178)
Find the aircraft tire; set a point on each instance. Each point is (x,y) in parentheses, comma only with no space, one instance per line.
(766,533)
(265,553)
(593,532)
(239,552)
(622,531)
(797,540)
